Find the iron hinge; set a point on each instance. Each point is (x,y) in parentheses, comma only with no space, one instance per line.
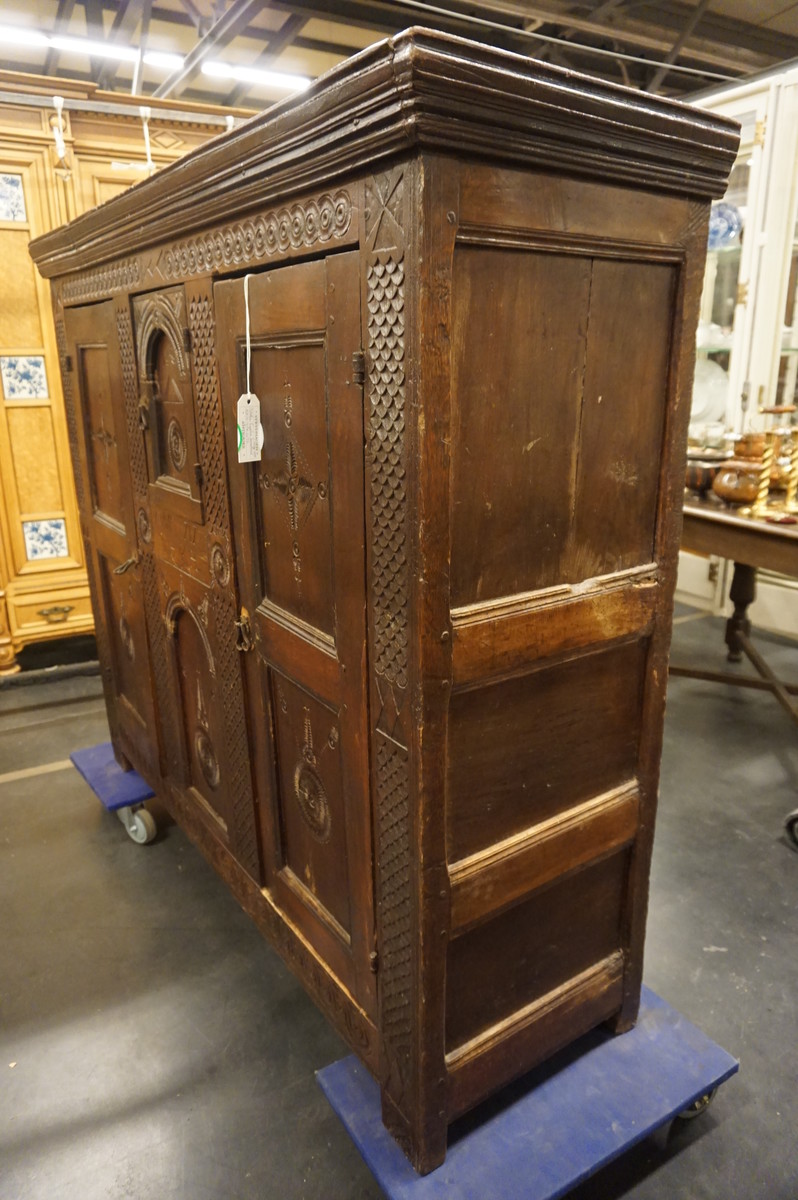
(187,340)
(244,639)
(68,364)
(358,368)
(199,475)
(760,129)
(374,962)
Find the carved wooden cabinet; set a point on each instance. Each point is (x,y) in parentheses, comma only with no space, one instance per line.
(402,680)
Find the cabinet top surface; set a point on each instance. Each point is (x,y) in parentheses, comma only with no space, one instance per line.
(420,89)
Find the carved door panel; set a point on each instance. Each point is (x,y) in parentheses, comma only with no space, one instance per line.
(167,403)
(195,649)
(198,669)
(298,519)
(93,356)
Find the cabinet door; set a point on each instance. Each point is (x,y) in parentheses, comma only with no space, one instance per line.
(299,534)
(103,450)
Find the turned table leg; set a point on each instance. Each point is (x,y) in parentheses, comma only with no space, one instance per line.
(742,593)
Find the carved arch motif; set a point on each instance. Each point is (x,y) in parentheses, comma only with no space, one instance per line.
(160,313)
(179,603)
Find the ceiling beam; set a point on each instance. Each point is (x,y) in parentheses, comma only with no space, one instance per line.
(95,29)
(658,76)
(62,18)
(125,23)
(195,16)
(229,26)
(649,34)
(278,42)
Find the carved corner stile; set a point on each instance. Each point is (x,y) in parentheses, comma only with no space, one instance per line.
(384,225)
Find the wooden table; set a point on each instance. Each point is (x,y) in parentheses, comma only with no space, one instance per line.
(751,543)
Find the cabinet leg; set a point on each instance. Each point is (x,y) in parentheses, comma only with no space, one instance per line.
(742,593)
(425,1146)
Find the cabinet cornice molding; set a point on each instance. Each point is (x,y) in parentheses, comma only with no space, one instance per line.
(418,89)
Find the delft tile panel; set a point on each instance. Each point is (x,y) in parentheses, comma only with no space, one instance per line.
(12,198)
(24,377)
(45,539)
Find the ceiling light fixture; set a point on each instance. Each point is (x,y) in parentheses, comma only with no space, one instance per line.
(72,45)
(18,35)
(269,79)
(161,58)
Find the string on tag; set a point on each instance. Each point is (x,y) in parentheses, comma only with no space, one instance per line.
(249,347)
(249,428)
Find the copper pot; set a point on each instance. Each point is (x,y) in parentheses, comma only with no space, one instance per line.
(737,480)
(750,445)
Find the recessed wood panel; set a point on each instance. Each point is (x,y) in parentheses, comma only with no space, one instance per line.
(520,325)
(33,454)
(532,949)
(623,417)
(102,447)
(559,384)
(200,708)
(127,635)
(20,323)
(294,478)
(312,816)
(522,750)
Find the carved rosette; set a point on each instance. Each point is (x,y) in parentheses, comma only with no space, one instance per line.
(264,236)
(310,792)
(176,444)
(390,590)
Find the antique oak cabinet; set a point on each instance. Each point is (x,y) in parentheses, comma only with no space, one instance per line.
(402,680)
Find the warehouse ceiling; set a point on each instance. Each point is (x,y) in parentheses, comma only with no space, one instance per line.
(253,52)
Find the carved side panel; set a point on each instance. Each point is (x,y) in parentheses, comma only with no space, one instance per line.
(210,439)
(138,461)
(210,433)
(389,587)
(69,404)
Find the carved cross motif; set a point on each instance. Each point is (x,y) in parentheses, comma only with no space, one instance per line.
(105,438)
(300,492)
(384,195)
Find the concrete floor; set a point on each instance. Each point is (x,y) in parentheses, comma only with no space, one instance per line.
(152,1046)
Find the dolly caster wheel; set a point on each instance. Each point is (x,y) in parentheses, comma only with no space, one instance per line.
(699,1106)
(139,823)
(791,825)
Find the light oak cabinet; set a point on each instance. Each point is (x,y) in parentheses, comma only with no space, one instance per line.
(44,591)
(402,679)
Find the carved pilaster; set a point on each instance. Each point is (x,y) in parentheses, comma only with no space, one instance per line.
(388,618)
(210,439)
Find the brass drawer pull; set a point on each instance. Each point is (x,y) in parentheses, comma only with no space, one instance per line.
(56,614)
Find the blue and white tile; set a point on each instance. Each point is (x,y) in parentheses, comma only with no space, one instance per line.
(24,377)
(45,539)
(12,198)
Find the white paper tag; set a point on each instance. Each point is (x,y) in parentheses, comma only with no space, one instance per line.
(250,430)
